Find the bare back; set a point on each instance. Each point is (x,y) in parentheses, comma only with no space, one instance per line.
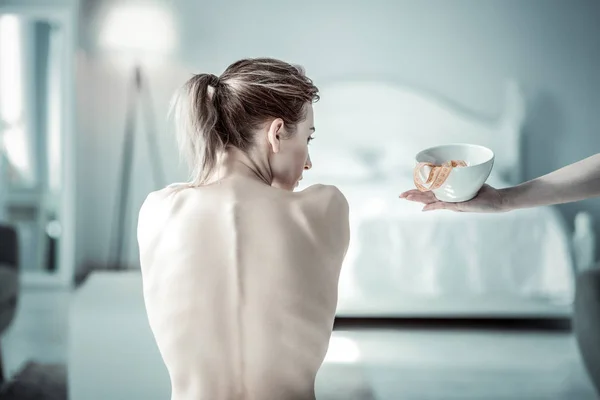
(240,284)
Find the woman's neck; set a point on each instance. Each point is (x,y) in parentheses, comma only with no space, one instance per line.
(234,162)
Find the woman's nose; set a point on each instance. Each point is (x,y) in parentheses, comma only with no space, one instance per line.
(308,163)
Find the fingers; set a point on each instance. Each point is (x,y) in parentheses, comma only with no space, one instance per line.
(420,197)
(408,193)
(429,199)
(433,206)
(440,205)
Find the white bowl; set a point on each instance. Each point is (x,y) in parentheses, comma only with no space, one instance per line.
(463,183)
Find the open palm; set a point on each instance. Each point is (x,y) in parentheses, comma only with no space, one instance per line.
(488,200)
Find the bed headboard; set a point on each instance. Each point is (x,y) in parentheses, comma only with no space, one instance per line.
(386,124)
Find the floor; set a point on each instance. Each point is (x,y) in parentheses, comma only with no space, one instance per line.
(379,363)
(39,330)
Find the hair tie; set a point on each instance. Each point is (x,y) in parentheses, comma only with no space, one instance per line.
(213,80)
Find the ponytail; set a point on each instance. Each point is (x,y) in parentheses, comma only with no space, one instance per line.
(196,115)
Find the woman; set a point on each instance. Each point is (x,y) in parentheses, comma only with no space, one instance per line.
(241,273)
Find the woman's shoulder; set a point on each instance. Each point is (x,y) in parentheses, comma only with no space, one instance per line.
(325,202)
(153,201)
(330,215)
(325,195)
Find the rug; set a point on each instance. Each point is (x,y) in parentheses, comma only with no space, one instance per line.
(37,382)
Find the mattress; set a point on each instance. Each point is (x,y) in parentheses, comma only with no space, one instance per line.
(400,256)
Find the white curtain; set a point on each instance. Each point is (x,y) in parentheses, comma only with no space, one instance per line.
(16,100)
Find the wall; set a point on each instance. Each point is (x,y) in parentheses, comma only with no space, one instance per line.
(460,49)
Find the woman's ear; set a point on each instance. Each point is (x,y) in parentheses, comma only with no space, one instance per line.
(274,134)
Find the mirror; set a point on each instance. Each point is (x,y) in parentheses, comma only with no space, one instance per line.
(32,125)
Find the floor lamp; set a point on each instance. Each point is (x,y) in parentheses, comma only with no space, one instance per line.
(139,96)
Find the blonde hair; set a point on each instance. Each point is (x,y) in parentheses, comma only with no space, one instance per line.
(213,113)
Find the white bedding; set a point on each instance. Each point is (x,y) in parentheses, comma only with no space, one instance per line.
(398,252)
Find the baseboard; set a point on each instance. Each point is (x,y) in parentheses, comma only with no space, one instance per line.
(460,323)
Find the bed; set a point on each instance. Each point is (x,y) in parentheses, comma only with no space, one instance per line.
(403,262)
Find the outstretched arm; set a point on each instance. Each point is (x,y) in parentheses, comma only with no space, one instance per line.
(577,181)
